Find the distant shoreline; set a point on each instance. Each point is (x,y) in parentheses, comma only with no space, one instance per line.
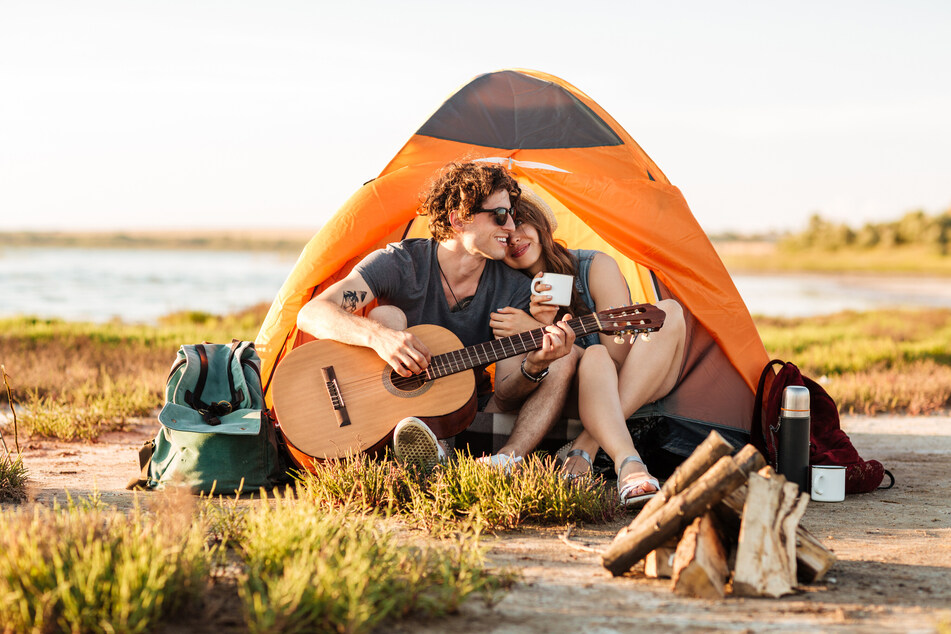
(738,255)
(765,257)
(279,240)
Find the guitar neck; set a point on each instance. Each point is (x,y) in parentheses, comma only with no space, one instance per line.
(485,353)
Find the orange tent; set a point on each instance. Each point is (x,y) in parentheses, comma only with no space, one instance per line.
(607,194)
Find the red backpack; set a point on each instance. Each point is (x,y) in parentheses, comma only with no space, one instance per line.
(828,444)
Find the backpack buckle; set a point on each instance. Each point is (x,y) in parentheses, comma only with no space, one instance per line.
(221,408)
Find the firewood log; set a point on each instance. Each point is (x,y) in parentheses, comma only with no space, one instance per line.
(766,556)
(659,563)
(703,457)
(725,476)
(813,560)
(700,566)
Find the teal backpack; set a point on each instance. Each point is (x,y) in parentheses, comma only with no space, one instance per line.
(216,435)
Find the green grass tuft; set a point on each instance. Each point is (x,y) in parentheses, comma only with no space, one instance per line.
(279,562)
(13,476)
(89,569)
(310,570)
(463,489)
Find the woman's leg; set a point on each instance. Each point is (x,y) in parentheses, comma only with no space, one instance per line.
(602,416)
(607,397)
(651,368)
(576,465)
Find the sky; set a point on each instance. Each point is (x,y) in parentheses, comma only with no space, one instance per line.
(202,114)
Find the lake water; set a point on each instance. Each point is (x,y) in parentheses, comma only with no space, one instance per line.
(142,285)
(135,285)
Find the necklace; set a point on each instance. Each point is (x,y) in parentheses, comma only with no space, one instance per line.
(457,304)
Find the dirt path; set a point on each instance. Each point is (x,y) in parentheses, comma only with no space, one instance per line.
(894,550)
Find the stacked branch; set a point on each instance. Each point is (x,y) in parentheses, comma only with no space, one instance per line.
(718,514)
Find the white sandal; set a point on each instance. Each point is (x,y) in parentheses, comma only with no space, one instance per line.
(565,453)
(636,501)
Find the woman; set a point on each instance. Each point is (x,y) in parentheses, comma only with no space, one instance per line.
(614,380)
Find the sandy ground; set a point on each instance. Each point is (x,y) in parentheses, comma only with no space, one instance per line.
(893,546)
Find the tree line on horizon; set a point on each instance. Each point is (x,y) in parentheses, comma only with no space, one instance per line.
(915,228)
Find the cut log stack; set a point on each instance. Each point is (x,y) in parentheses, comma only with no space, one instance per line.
(722,523)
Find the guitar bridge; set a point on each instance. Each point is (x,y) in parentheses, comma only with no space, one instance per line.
(336,399)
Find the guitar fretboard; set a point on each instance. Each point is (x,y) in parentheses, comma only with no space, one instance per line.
(491,351)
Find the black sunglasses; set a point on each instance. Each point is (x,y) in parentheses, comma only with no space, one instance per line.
(500,215)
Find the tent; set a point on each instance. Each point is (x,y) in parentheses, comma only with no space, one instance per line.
(607,194)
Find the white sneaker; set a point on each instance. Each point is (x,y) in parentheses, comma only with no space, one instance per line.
(414,441)
(502,461)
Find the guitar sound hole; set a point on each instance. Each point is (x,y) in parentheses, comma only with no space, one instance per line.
(406,383)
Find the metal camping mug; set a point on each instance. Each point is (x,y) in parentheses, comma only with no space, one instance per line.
(828,483)
(793,458)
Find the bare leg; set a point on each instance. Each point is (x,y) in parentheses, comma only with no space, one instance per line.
(607,398)
(651,368)
(541,409)
(576,465)
(390,316)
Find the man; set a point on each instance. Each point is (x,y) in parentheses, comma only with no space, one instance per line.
(455,280)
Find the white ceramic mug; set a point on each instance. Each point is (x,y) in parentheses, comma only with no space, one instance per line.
(560,291)
(828,483)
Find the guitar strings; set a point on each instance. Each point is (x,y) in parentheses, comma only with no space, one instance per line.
(459,360)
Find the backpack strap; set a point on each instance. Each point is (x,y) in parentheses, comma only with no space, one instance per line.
(759,433)
(236,349)
(194,398)
(141,481)
(210,412)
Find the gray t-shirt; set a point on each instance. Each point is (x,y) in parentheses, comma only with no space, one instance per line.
(406,275)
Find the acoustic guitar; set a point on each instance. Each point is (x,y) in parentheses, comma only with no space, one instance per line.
(333,399)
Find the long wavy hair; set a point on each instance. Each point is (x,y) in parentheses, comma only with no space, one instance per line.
(556,257)
(463,187)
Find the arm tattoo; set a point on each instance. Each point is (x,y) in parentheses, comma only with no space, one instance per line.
(352,300)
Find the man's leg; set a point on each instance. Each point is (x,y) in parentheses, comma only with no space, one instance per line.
(390,316)
(542,408)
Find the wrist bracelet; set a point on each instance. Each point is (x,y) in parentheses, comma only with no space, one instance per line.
(534,378)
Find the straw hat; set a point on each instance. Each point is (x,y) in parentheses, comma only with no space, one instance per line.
(528,194)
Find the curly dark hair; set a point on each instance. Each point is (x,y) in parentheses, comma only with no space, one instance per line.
(462,187)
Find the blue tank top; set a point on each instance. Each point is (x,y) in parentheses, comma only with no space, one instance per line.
(585,257)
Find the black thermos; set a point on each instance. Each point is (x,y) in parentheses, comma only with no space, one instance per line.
(793,460)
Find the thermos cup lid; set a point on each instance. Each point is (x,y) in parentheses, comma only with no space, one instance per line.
(795,402)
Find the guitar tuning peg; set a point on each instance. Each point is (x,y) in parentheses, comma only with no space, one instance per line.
(645,336)
(633,338)
(619,339)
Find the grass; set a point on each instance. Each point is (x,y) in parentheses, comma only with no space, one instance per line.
(873,362)
(13,473)
(460,491)
(287,241)
(275,562)
(310,571)
(13,476)
(85,568)
(76,380)
(770,258)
